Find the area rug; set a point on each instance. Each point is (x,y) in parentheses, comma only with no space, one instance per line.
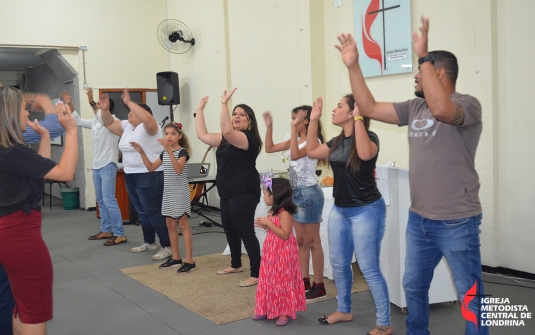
(217,298)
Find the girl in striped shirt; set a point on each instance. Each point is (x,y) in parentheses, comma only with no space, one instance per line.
(176,194)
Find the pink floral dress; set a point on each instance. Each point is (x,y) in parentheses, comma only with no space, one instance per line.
(280,289)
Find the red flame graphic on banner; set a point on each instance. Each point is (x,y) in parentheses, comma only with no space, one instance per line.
(371,47)
(469,296)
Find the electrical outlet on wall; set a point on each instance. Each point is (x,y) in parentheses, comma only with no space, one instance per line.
(337,3)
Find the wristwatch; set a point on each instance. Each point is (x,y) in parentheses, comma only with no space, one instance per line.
(427,58)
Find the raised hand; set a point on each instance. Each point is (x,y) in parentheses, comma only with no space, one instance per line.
(202,103)
(299,117)
(268,118)
(65,116)
(40,102)
(420,42)
(89,93)
(126,96)
(317,106)
(226,96)
(356,111)
(136,147)
(166,145)
(348,49)
(37,128)
(66,97)
(104,102)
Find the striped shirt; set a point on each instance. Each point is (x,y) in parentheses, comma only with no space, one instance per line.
(176,194)
(51,123)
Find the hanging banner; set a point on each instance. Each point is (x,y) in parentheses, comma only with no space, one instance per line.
(383,36)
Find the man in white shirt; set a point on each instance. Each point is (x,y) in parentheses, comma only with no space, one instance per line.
(105,161)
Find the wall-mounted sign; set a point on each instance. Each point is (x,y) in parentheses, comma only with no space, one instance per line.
(383,36)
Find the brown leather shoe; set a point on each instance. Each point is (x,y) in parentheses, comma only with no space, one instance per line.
(100,236)
(115,240)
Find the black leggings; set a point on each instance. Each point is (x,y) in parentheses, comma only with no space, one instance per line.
(237,217)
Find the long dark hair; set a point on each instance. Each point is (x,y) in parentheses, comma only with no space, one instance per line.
(254,126)
(282,196)
(308,110)
(183,141)
(354,161)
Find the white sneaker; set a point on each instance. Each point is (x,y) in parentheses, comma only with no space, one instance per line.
(145,247)
(162,254)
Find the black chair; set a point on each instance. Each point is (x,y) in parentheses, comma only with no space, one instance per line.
(52,182)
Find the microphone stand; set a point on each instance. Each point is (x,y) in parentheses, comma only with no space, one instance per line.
(163,121)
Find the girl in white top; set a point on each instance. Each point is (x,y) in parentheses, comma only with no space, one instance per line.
(307,195)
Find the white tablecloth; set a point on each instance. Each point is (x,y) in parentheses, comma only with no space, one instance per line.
(262,210)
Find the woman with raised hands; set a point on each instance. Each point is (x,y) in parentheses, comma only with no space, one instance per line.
(23,253)
(307,195)
(357,219)
(238,182)
(145,188)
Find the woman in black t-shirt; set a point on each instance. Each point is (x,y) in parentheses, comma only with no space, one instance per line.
(21,186)
(357,219)
(237,179)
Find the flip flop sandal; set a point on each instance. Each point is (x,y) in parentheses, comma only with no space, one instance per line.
(323,320)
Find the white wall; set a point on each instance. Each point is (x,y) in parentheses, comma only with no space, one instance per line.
(516,136)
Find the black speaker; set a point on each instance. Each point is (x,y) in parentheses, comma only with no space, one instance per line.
(167,85)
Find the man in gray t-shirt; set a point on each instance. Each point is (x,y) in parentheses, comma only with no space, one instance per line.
(443,130)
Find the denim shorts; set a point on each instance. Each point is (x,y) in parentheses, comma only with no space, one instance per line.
(309,201)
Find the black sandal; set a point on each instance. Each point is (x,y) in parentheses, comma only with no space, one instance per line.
(323,320)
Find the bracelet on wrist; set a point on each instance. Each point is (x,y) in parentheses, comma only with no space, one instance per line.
(357,118)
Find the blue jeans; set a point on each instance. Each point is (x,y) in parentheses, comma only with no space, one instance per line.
(429,240)
(309,201)
(7,304)
(145,191)
(110,214)
(359,230)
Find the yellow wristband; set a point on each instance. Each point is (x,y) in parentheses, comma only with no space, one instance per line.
(223,101)
(356,118)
